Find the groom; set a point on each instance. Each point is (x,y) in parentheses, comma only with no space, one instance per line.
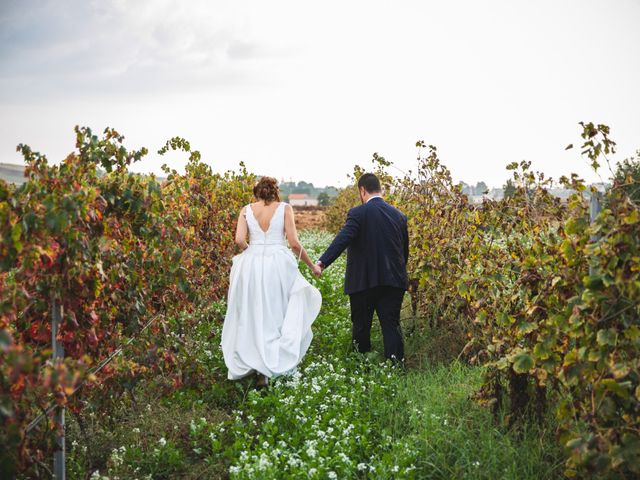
(377,242)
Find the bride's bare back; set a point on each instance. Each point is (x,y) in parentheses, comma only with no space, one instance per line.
(264,213)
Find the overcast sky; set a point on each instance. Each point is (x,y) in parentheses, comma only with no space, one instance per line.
(304,90)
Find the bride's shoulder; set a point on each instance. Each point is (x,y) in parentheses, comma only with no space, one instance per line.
(245,209)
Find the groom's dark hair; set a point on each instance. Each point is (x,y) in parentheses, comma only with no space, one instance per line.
(370,183)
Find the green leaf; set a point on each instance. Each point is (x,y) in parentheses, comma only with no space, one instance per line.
(527,327)
(523,362)
(502,363)
(607,337)
(593,281)
(16,231)
(632,218)
(575,443)
(595,355)
(541,351)
(620,370)
(632,333)
(620,389)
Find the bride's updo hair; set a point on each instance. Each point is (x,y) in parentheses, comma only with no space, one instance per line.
(267,189)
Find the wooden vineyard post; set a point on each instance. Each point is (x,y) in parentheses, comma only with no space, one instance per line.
(595,206)
(58,356)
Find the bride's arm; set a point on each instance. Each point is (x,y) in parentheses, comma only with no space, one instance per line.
(292,237)
(241,230)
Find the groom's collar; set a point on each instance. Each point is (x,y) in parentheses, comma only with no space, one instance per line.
(373,196)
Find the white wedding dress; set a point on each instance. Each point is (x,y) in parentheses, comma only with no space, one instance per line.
(270,305)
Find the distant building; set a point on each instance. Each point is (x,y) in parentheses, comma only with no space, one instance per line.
(302,200)
(12,173)
(561,193)
(493,194)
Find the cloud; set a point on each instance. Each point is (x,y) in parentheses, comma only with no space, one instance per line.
(243,50)
(107,47)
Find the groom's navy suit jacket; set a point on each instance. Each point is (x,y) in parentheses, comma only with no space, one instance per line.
(377,242)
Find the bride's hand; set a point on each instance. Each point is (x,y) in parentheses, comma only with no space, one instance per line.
(317,271)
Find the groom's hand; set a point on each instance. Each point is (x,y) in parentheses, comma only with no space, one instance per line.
(319,267)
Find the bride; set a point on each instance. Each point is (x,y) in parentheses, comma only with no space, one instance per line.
(270,305)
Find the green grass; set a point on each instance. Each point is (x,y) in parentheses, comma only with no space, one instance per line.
(343,415)
(456,438)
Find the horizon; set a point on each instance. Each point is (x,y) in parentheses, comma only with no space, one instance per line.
(281,181)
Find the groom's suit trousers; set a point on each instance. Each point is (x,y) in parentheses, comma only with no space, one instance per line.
(386,301)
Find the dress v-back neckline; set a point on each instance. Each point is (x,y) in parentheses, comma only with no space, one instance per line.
(270,220)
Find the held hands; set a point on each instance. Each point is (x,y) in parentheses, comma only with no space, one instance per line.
(317,269)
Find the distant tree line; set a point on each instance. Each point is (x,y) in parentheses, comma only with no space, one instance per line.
(323,194)
(479,189)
